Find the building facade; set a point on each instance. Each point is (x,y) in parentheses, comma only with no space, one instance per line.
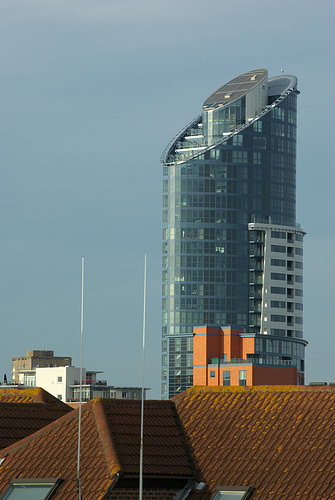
(232,249)
(37,359)
(63,382)
(226,356)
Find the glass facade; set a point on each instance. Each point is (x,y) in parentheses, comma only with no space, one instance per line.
(233,166)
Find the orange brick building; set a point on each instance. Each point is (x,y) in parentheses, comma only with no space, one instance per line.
(227,356)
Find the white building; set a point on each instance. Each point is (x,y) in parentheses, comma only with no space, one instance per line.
(63,382)
(276,280)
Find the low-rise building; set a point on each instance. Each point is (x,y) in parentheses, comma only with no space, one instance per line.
(224,356)
(37,359)
(63,382)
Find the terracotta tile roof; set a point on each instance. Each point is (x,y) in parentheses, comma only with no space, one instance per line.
(278,439)
(110,447)
(24,411)
(164,439)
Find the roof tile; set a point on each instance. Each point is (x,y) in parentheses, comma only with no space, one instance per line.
(110,443)
(24,411)
(280,440)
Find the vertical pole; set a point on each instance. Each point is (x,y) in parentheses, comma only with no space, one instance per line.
(81,375)
(142,400)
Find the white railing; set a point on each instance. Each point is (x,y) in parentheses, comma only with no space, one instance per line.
(168,148)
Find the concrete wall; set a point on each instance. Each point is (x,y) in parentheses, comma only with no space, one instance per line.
(56,380)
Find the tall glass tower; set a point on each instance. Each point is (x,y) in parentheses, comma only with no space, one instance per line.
(232,250)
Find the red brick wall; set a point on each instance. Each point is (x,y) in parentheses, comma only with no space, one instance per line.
(248,346)
(235,374)
(275,375)
(200,375)
(213,342)
(207,343)
(236,343)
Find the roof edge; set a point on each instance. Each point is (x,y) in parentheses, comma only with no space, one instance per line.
(185,441)
(254,388)
(106,438)
(32,395)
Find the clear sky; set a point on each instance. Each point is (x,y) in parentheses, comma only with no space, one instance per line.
(91,93)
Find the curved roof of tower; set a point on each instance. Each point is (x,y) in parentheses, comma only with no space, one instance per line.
(279,84)
(278,87)
(235,89)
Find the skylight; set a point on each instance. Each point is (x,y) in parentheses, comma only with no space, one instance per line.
(31,489)
(233,493)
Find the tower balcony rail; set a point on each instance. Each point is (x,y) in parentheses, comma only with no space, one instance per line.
(255,296)
(254,359)
(232,361)
(255,310)
(196,120)
(90,382)
(182,132)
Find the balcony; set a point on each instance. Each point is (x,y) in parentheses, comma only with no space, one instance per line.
(255,360)
(255,295)
(233,361)
(90,382)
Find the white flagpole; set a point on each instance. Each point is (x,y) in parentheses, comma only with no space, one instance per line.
(81,375)
(142,401)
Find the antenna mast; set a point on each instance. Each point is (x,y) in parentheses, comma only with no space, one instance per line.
(142,401)
(81,375)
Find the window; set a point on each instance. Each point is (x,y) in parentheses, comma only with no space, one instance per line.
(226,377)
(257,126)
(278,318)
(242,381)
(124,394)
(238,140)
(212,374)
(59,379)
(278,276)
(278,303)
(31,489)
(278,234)
(59,396)
(278,262)
(280,332)
(278,248)
(233,493)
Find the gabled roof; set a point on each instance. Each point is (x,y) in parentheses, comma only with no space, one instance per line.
(110,446)
(24,411)
(277,439)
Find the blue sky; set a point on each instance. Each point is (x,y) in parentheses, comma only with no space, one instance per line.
(91,93)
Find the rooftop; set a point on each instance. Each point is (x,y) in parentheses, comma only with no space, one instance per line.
(24,411)
(110,443)
(277,439)
(235,89)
